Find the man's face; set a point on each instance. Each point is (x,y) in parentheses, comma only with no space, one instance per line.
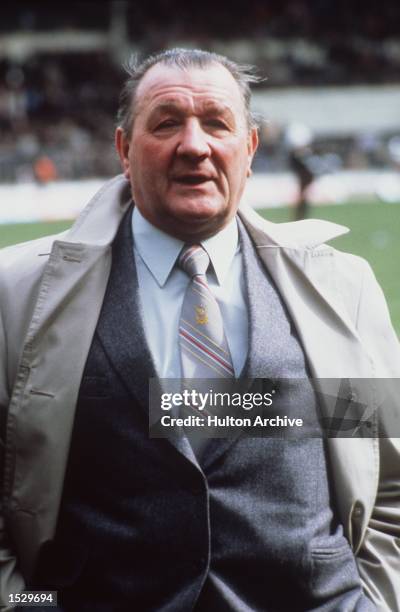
(190,149)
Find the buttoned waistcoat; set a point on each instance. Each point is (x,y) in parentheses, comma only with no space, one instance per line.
(51,292)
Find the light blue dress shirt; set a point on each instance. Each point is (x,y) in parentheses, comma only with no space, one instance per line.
(162,287)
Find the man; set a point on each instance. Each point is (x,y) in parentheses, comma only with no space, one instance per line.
(298,140)
(114,520)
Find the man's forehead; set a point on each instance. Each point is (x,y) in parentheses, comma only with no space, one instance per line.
(170,102)
(214,83)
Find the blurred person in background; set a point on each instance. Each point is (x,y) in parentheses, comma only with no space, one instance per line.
(114,520)
(44,170)
(298,139)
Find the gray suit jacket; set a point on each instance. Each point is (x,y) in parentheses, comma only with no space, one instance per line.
(51,292)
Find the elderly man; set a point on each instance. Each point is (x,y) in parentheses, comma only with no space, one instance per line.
(114,520)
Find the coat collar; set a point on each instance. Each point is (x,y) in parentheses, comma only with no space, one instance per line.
(306,234)
(99,221)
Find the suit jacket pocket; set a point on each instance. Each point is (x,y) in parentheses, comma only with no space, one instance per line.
(338,547)
(335,578)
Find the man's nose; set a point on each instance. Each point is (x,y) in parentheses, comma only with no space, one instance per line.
(193,141)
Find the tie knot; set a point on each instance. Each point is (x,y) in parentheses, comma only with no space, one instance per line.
(194,260)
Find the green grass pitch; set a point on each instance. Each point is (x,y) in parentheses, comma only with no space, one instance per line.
(375,235)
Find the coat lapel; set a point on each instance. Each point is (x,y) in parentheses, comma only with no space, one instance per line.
(62,322)
(304,274)
(305,279)
(42,407)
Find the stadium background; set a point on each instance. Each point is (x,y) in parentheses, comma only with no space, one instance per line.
(332,95)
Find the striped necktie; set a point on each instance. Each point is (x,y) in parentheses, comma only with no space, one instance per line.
(204,349)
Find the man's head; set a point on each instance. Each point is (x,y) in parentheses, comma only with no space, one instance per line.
(186,140)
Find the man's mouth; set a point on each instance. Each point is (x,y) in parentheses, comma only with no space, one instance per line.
(193,179)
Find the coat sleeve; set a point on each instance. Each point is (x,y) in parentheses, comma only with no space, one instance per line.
(11,580)
(379,555)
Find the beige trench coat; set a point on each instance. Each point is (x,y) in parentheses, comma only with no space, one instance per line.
(51,292)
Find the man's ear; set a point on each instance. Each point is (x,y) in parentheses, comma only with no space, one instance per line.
(122,144)
(251,147)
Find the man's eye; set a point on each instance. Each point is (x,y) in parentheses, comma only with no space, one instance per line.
(217,124)
(168,123)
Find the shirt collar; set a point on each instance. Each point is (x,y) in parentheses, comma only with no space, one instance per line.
(150,242)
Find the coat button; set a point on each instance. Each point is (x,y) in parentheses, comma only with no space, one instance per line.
(358,511)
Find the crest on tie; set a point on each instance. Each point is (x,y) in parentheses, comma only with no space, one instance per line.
(201,315)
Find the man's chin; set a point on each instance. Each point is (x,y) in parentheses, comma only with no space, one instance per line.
(197,209)
(197,223)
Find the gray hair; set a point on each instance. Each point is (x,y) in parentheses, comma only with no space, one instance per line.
(184,59)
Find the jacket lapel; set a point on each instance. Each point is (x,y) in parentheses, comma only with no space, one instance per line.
(120,327)
(121,330)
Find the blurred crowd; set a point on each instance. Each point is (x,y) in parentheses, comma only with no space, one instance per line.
(57,110)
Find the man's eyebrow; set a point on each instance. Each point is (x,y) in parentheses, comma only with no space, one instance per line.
(171,106)
(219,108)
(166,107)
